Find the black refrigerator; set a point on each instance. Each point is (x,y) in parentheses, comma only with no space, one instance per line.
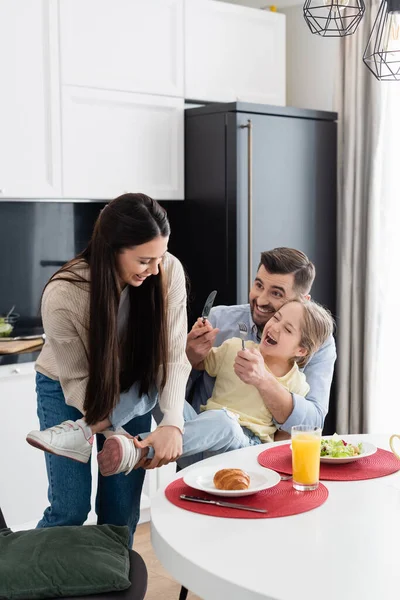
(276,165)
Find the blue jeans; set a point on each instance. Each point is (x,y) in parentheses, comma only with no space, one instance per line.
(209,433)
(70,482)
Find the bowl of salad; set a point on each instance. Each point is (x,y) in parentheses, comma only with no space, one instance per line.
(335,449)
(7,323)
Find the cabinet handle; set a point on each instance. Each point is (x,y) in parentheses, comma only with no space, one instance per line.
(2,192)
(16,370)
(249,128)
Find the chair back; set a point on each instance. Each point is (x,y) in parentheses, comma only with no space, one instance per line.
(3,524)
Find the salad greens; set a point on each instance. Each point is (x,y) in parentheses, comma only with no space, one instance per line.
(5,328)
(338,448)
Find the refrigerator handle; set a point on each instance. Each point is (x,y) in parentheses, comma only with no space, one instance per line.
(249,128)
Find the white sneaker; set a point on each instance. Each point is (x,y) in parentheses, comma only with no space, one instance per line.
(119,455)
(67,439)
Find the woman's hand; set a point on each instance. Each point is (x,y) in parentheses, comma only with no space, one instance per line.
(249,367)
(167,444)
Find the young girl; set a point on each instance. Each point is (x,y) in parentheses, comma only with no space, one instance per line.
(236,416)
(115,324)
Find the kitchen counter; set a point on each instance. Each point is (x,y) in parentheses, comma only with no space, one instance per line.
(19,357)
(24,327)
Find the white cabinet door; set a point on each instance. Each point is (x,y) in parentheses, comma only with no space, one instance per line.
(23,493)
(153,481)
(115,142)
(234,53)
(123,45)
(29,115)
(23,490)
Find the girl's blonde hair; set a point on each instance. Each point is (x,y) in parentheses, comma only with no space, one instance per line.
(316,326)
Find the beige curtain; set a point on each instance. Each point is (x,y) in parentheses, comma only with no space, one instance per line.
(359,106)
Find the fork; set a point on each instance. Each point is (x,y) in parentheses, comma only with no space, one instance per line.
(243,331)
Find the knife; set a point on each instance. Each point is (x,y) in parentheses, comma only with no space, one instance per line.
(220,503)
(23,337)
(208,305)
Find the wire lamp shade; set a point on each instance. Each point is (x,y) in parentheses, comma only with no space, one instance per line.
(382,54)
(333,18)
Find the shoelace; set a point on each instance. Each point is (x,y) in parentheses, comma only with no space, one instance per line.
(65,426)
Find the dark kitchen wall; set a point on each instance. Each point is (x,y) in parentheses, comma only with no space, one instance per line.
(36,238)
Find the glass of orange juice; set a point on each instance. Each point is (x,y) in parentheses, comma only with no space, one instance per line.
(306,450)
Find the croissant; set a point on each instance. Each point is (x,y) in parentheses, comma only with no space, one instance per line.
(231,479)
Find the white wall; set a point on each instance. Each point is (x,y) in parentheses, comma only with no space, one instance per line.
(312,63)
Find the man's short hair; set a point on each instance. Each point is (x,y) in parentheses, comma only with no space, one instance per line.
(284,261)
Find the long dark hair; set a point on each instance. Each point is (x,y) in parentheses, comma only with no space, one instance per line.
(114,365)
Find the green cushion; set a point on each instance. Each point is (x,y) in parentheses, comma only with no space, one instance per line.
(63,561)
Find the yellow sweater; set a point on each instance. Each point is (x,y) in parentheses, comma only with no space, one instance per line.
(242,398)
(64,357)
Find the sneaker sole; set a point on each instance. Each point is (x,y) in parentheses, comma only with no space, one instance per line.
(113,447)
(36,443)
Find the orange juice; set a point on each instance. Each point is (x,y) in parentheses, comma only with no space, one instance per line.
(306,448)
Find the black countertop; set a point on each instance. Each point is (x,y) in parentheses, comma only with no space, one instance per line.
(19,357)
(260,109)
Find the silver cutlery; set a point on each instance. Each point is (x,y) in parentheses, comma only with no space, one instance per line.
(208,305)
(24,337)
(10,312)
(243,332)
(221,503)
(286,477)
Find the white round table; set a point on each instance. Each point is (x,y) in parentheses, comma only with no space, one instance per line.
(347,548)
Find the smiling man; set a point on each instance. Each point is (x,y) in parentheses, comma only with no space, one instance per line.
(283,274)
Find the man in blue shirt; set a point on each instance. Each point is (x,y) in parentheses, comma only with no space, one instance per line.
(283,274)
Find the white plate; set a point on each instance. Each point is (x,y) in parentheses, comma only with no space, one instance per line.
(202,479)
(368,450)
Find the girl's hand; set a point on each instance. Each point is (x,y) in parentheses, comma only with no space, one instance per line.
(167,444)
(249,367)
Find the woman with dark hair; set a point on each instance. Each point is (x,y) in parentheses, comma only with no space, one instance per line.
(115,324)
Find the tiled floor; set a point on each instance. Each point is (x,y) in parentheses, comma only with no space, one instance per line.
(161,585)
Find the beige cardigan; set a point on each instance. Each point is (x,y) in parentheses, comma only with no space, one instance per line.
(64,357)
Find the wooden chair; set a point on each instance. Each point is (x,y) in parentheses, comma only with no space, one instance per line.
(137,575)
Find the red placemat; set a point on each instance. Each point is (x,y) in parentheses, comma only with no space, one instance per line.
(279,458)
(280,501)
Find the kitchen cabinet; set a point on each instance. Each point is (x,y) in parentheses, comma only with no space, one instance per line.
(234,53)
(92,90)
(123,45)
(23,490)
(122,98)
(118,141)
(29,115)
